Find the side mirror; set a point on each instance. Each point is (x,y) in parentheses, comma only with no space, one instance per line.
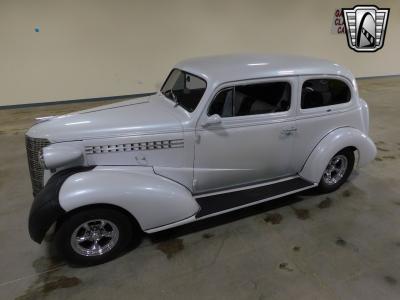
(212,120)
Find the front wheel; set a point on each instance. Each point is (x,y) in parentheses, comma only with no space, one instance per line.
(337,171)
(94,235)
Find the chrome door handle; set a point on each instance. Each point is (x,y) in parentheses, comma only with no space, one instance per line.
(289,131)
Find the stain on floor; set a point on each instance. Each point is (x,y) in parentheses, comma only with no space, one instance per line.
(207,235)
(45,264)
(302,213)
(390,280)
(46,282)
(285,266)
(340,242)
(274,218)
(171,247)
(296,248)
(327,202)
(42,290)
(346,193)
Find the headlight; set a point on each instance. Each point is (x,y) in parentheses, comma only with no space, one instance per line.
(60,155)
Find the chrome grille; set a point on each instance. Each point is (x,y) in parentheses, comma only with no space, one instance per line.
(33,146)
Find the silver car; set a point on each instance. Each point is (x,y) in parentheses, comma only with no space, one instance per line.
(223,133)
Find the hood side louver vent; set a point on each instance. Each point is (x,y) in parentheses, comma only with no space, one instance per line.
(142,146)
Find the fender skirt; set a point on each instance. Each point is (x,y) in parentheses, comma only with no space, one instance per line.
(46,209)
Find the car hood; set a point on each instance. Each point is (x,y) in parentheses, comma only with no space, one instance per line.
(144,115)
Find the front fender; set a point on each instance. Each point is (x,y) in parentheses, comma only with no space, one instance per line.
(331,144)
(45,209)
(152,199)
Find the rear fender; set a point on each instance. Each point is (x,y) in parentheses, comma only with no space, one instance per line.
(331,144)
(152,199)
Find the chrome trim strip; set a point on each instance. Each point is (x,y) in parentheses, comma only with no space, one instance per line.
(248,187)
(172,225)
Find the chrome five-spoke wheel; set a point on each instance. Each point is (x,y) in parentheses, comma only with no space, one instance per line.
(94,237)
(336,169)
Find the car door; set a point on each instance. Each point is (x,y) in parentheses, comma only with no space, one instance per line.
(245,134)
(326,102)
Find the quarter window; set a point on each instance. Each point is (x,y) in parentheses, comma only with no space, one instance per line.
(252,99)
(324,92)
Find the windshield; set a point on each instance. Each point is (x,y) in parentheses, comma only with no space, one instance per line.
(184,89)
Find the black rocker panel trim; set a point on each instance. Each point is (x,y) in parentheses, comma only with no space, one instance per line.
(216,203)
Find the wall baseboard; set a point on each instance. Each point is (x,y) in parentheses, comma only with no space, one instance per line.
(120,97)
(377,77)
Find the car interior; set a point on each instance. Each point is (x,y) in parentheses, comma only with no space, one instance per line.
(252,100)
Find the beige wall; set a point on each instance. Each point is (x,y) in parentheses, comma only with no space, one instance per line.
(95,48)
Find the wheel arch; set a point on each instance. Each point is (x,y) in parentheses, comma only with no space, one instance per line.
(332,143)
(120,209)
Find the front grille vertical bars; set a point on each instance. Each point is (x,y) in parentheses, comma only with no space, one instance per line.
(33,147)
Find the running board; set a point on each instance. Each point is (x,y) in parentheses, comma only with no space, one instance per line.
(213,204)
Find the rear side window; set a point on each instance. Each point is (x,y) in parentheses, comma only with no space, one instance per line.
(252,99)
(324,92)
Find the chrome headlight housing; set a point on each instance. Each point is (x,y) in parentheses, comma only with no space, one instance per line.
(61,155)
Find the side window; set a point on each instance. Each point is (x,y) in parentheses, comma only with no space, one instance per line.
(324,92)
(261,98)
(222,104)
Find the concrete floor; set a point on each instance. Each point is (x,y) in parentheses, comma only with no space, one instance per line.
(345,245)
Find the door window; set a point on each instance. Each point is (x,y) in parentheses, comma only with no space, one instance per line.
(263,98)
(222,104)
(324,92)
(252,99)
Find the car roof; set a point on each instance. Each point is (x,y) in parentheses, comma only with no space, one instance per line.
(233,67)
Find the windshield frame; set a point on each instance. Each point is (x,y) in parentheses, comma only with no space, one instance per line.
(172,98)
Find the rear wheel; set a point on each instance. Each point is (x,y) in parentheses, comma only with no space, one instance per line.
(95,235)
(337,171)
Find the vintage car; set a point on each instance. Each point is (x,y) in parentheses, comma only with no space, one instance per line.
(223,133)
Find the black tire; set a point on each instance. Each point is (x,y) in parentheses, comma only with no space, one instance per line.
(324,186)
(118,224)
